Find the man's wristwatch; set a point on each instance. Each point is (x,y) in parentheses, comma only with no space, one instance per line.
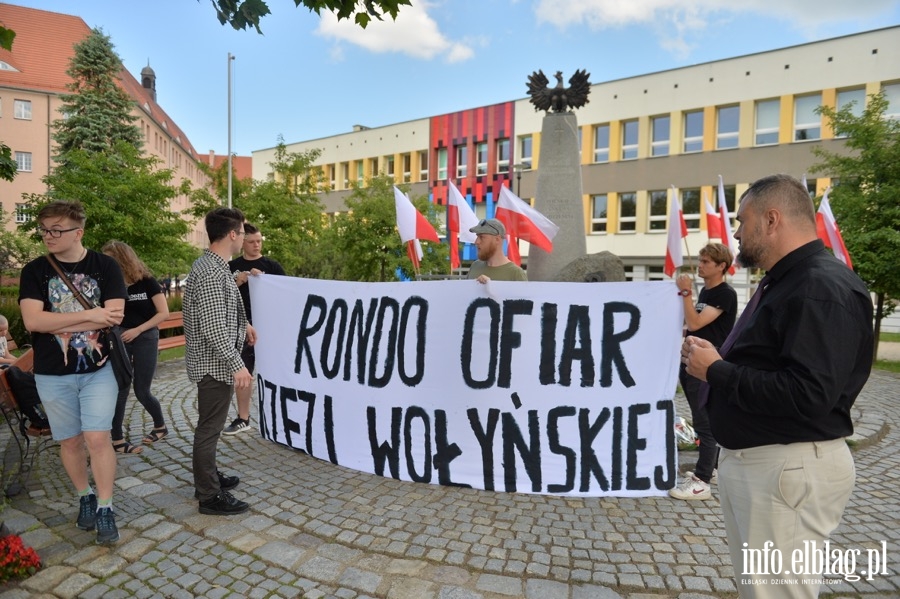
(684,292)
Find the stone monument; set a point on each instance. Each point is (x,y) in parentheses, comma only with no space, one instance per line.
(559,192)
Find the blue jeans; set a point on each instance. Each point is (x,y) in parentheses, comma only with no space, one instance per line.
(708,455)
(143,351)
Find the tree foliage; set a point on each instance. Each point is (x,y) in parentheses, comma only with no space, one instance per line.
(866,197)
(241,14)
(364,242)
(126,197)
(16,249)
(8,166)
(97,112)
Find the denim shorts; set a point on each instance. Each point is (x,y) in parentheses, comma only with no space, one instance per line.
(76,403)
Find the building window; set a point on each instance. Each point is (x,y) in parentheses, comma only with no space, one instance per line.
(659,201)
(23,161)
(373,167)
(601,143)
(627,210)
(659,131)
(855,96)
(22,109)
(345,174)
(462,161)
(525,149)
(693,131)
(332,171)
(767,122)
(598,213)
(442,164)
(389,165)
(690,208)
(811,187)
(423,165)
(21,215)
(807,124)
(727,125)
(360,173)
(407,168)
(502,155)
(481,159)
(629,140)
(892,95)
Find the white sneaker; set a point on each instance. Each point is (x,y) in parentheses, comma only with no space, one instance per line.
(691,488)
(238,425)
(714,479)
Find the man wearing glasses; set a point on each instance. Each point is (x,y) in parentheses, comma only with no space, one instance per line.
(77,387)
(492,263)
(215,328)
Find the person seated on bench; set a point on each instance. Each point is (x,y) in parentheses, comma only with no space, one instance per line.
(24,391)
(6,357)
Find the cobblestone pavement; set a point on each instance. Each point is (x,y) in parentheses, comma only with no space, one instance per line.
(320,530)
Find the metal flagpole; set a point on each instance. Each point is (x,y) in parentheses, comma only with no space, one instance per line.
(230,59)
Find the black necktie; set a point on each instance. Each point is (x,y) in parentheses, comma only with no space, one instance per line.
(749,309)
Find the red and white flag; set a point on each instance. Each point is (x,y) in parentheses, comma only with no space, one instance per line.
(727,237)
(410,222)
(460,218)
(677,232)
(713,221)
(524,222)
(828,231)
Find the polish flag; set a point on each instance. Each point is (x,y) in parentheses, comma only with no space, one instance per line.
(828,231)
(727,237)
(713,221)
(677,232)
(524,222)
(414,251)
(460,218)
(410,222)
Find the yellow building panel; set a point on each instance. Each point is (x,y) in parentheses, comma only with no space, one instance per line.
(535,150)
(615,141)
(587,144)
(643,140)
(829,99)
(747,124)
(786,120)
(642,211)
(709,128)
(612,211)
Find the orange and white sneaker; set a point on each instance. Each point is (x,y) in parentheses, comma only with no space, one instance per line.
(691,488)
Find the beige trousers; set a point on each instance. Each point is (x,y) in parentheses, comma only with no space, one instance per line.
(779,500)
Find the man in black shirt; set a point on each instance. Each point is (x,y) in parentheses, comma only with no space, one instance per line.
(780,396)
(250,262)
(711,319)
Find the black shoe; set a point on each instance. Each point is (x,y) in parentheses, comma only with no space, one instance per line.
(107,532)
(226,483)
(87,512)
(223,504)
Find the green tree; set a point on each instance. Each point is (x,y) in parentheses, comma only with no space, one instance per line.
(126,197)
(365,243)
(16,249)
(241,14)
(866,197)
(8,166)
(97,112)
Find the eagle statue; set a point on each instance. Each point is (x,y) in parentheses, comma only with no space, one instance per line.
(559,98)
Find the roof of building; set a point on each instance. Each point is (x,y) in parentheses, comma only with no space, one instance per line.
(41,53)
(242,165)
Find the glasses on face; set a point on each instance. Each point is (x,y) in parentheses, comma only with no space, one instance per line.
(240,233)
(55,233)
(490,226)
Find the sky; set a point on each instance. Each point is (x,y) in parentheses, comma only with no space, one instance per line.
(308,77)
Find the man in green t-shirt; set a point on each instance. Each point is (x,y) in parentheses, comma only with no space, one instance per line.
(492,263)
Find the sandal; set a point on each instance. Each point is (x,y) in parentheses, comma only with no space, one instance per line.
(157,434)
(126,447)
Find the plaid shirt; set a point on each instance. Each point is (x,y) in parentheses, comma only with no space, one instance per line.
(214,321)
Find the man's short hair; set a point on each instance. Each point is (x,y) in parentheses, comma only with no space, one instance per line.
(718,253)
(73,210)
(785,192)
(221,221)
(489,226)
(250,229)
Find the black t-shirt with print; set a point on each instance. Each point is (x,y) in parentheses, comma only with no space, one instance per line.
(99,279)
(723,297)
(139,307)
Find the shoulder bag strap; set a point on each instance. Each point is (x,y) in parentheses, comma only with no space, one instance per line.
(65,279)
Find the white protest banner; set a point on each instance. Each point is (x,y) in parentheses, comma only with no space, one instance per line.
(560,388)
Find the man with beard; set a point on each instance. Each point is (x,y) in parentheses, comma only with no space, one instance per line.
(781,387)
(492,263)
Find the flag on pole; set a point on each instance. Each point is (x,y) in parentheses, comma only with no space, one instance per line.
(410,222)
(524,222)
(727,237)
(677,232)
(460,218)
(713,221)
(828,231)
(414,251)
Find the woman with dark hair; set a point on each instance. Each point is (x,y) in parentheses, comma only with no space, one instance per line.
(145,308)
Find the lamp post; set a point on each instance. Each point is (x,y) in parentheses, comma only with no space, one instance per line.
(518,168)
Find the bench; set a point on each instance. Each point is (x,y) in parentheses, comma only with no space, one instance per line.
(21,435)
(173,321)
